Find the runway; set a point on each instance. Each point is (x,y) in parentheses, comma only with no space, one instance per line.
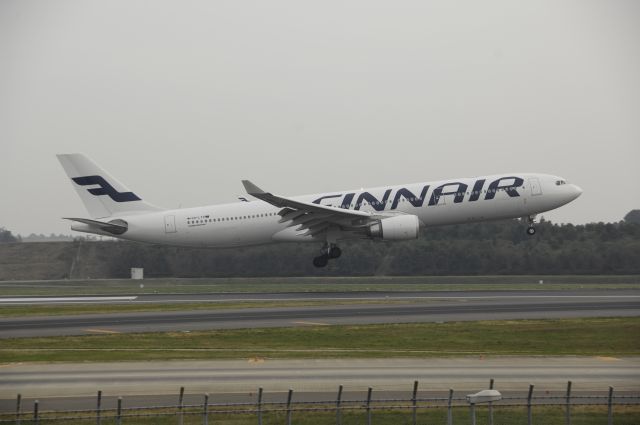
(322,296)
(238,380)
(361,308)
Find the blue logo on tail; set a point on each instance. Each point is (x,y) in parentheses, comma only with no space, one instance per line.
(105,189)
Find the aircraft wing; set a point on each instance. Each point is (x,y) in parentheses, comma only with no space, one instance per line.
(314,218)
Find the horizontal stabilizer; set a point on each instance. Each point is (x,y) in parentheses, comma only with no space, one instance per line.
(116,227)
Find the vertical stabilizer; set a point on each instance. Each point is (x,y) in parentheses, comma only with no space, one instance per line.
(102,195)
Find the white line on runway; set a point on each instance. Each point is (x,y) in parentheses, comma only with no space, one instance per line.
(65,299)
(489,297)
(105,299)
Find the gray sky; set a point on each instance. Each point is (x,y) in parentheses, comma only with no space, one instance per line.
(181,100)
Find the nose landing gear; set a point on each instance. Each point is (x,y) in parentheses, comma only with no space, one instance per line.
(531,230)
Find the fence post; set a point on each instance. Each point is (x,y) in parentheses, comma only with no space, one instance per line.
(36,417)
(472,408)
(449,412)
(568,404)
(289,406)
(491,404)
(610,407)
(119,412)
(529,412)
(369,406)
(205,409)
(181,406)
(338,402)
(414,401)
(98,408)
(18,408)
(259,406)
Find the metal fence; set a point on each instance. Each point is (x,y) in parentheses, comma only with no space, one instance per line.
(209,411)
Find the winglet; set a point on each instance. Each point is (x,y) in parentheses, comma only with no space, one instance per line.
(252,189)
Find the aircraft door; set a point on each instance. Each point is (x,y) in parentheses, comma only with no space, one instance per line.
(536,189)
(170,224)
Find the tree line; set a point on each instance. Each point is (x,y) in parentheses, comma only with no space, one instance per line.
(499,247)
(468,249)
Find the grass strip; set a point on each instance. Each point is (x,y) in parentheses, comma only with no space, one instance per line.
(72,309)
(591,337)
(328,284)
(548,415)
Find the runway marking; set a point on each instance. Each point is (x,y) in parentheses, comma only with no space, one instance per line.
(385,298)
(135,299)
(64,299)
(607,359)
(102,331)
(311,323)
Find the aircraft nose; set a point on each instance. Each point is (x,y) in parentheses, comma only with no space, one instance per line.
(576,191)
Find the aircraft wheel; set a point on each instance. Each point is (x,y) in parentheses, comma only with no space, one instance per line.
(321,261)
(335,252)
(531,231)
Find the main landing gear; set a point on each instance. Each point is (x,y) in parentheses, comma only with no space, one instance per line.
(328,252)
(531,230)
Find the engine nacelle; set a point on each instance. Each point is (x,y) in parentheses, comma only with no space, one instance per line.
(398,228)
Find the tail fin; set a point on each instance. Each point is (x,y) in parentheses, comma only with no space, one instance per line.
(102,195)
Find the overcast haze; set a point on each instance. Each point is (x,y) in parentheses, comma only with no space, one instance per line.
(181,100)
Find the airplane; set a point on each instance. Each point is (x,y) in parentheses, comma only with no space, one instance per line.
(388,213)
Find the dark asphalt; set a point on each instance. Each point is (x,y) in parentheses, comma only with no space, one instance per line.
(322,296)
(406,307)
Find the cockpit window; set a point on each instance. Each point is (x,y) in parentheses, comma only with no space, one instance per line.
(560,182)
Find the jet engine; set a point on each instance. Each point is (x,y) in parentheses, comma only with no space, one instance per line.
(398,228)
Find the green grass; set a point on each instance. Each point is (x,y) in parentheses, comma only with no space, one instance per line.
(548,415)
(604,336)
(328,284)
(71,309)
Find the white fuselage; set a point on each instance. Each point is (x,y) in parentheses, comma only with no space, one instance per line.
(434,203)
